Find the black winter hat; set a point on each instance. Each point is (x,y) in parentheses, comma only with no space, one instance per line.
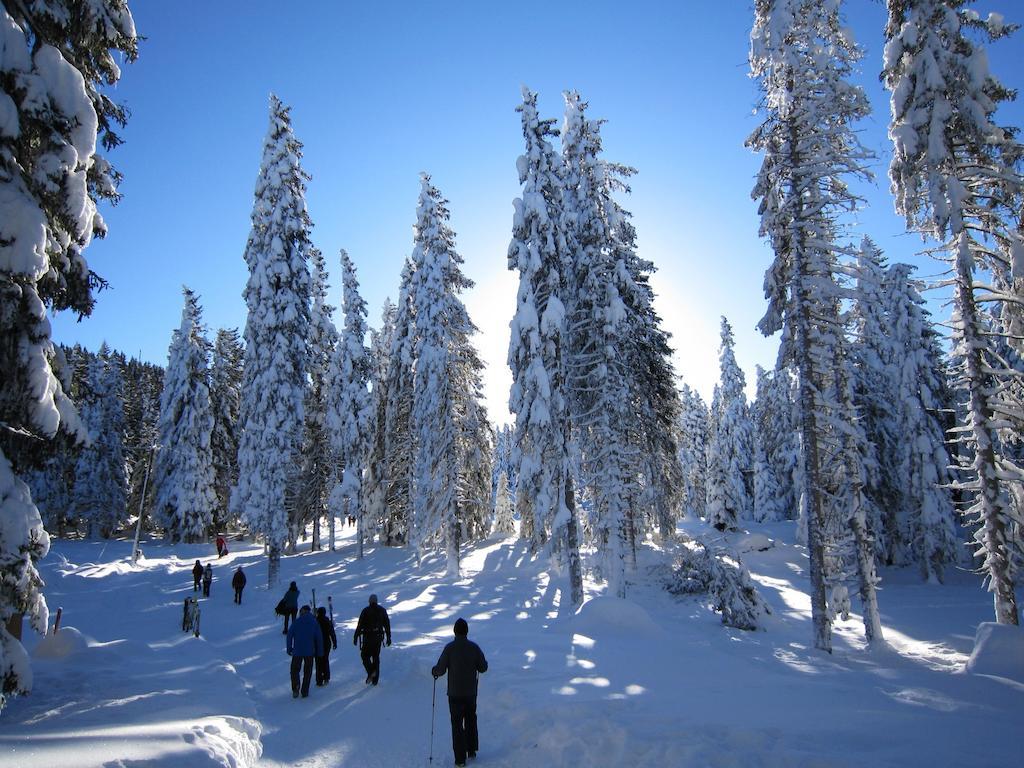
(461,627)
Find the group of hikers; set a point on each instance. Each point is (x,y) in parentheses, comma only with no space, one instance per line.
(205,576)
(311,637)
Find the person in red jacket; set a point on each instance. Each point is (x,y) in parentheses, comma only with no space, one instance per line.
(463,660)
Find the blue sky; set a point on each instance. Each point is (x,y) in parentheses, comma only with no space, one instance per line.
(382,91)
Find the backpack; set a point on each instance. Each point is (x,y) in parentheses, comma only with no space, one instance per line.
(281,609)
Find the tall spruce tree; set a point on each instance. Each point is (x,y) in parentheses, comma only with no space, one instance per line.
(400,440)
(693,446)
(504,522)
(440,316)
(772,414)
(50,178)
(955,176)
(922,457)
(225,402)
(184,476)
(599,399)
(445,375)
(540,253)
(874,358)
(350,413)
(101,486)
(277,296)
(802,57)
(375,481)
(731,446)
(318,473)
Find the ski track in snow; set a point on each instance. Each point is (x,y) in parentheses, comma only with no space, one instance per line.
(651,681)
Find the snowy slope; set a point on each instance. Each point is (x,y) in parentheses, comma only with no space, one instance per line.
(649,681)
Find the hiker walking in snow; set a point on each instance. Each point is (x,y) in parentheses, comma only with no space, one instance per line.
(238,584)
(197,575)
(207,579)
(463,660)
(323,662)
(288,606)
(305,642)
(222,548)
(373,627)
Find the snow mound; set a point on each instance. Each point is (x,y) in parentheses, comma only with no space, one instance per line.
(998,650)
(601,615)
(233,742)
(753,542)
(67,642)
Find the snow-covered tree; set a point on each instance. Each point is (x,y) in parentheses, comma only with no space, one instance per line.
(693,446)
(766,498)
(802,56)
(602,416)
(538,251)
(731,445)
(143,385)
(440,315)
(400,442)
(476,437)
(276,335)
(184,476)
(955,178)
(100,489)
(504,522)
(922,456)
(375,480)
(874,359)
(502,463)
(56,57)
(349,416)
(774,432)
(225,398)
(318,471)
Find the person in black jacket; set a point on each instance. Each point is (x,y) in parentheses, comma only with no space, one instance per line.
(463,660)
(238,583)
(323,663)
(373,627)
(197,575)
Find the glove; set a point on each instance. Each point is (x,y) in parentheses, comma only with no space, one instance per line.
(289,653)
(435,675)
(335,646)
(389,642)
(354,642)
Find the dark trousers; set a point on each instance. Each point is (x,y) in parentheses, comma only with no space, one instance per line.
(238,594)
(195,583)
(289,615)
(464,734)
(206,589)
(370,654)
(306,662)
(323,669)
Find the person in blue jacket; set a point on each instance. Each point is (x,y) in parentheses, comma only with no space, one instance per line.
(305,643)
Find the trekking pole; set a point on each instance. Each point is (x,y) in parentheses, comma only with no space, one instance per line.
(433,699)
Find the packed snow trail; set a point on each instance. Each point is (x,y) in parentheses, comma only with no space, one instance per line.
(649,681)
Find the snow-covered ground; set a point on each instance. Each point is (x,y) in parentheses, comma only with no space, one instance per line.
(650,681)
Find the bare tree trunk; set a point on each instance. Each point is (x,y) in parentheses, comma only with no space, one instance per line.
(572,546)
(273,564)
